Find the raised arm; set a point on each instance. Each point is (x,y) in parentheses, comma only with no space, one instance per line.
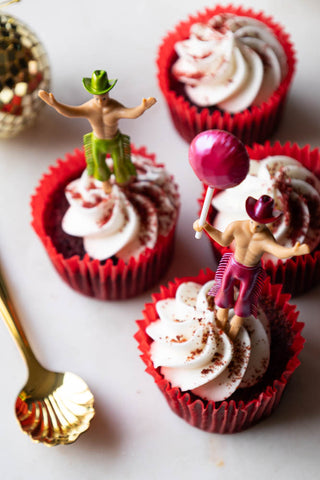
(66,110)
(135,112)
(223,238)
(271,246)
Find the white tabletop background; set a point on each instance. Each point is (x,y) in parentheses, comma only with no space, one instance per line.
(135,435)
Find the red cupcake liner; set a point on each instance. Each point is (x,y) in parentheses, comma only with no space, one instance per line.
(238,413)
(297,274)
(252,125)
(104,281)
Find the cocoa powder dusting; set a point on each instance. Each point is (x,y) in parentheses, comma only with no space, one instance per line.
(178,339)
(234,367)
(194,353)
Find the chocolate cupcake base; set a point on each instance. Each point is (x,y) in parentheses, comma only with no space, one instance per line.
(112,279)
(248,406)
(297,275)
(254,124)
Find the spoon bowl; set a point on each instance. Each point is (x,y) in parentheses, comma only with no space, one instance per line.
(55,410)
(52,408)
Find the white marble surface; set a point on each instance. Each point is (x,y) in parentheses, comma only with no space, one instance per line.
(135,435)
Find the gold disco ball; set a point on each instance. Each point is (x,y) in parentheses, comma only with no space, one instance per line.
(24,70)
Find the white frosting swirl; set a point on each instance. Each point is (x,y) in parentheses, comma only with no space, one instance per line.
(127,221)
(295,190)
(232,62)
(194,354)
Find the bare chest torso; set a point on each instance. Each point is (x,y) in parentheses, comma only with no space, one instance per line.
(248,248)
(104,123)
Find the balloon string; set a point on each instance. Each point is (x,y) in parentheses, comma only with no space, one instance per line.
(5,4)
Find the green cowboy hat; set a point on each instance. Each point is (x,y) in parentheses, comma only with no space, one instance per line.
(98,84)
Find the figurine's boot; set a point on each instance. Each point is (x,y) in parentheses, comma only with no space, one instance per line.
(107,187)
(236,324)
(222,317)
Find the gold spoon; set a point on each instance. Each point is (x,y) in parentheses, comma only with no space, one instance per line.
(53,408)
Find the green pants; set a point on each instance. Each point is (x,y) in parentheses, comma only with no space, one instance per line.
(118,147)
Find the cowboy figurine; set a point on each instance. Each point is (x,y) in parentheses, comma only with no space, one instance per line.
(252,239)
(103,114)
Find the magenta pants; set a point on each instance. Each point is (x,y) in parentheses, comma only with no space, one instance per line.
(250,280)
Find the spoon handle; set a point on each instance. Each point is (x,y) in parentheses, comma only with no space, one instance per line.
(12,321)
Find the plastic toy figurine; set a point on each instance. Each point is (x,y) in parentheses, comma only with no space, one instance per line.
(103,114)
(252,239)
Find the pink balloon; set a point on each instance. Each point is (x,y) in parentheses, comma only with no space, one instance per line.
(219,159)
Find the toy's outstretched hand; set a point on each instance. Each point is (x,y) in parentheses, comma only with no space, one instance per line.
(148,102)
(301,249)
(197,227)
(47,97)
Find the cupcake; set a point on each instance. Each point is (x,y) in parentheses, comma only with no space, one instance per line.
(226,68)
(107,245)
(290,175)
(216,384)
